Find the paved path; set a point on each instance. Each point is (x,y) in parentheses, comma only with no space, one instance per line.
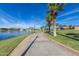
(43,47)
(22,47)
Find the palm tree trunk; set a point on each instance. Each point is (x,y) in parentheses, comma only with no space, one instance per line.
(49,29)
(54,27)
(54,21)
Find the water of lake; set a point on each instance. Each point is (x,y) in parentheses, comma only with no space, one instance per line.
(6,35)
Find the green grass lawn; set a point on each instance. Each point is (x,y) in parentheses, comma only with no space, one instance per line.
(6,46)
(68,31)
(66,40)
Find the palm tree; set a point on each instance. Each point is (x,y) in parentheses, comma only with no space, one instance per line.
(49,19)
(54,8)
(42,28)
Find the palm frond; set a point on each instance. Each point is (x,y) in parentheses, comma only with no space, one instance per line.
(60,7)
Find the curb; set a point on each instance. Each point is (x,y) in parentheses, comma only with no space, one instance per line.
(75,52)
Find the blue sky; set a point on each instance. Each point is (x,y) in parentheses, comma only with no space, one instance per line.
(69,15)
(28,15)
(22,15)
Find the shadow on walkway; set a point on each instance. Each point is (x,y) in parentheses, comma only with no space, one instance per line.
(29,46)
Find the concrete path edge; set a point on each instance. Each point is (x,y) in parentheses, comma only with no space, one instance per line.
(68,48)
(21,48)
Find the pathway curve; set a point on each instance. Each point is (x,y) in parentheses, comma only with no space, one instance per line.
(44,47)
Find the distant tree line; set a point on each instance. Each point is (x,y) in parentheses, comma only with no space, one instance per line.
(9,28)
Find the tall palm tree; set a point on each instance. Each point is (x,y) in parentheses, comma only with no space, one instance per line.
(49,19)
(54,8)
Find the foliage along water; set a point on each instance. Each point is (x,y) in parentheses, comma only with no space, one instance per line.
(6,35)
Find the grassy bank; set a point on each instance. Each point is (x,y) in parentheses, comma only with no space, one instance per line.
(71,42)
(6,46)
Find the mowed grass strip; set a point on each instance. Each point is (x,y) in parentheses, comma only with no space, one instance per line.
(7,45)
(65,40)
(68,31)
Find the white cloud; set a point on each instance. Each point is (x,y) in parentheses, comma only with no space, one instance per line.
(68,13)
(9,21)
(4,21)
(4,15)
(68,19)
